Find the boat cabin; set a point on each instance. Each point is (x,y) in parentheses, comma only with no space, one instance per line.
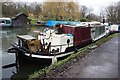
(98,30)
(114,28)
(30,43)
(5,22)
(81,34)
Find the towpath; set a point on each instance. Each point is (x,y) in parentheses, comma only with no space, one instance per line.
(102,62)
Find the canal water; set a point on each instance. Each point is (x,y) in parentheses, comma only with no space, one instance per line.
(12,71)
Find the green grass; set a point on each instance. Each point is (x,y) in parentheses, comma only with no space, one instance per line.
(38,73)
(34,20)
(99,42)
(61,62)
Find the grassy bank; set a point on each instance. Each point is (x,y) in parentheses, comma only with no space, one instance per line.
(61,65)
(34,20)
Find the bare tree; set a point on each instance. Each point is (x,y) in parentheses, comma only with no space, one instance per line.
(89,15)
(38,9)
(84,11)
(118,13)
(112,13)
(8,9)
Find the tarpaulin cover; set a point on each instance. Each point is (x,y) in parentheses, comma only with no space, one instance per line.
(51,23)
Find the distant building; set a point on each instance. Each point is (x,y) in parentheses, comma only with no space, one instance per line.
(20,20)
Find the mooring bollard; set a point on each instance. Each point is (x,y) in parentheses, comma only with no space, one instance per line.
(54,59)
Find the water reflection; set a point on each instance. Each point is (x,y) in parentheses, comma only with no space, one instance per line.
(22,70)
(8,36)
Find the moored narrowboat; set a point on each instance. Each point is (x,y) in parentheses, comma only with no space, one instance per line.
(114,28)
(5,22)
(52,44)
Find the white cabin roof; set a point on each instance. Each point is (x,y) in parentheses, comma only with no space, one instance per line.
(78,25)
(95,22)
(5,19)
(25,37)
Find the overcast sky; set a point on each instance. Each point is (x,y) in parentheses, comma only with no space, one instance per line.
(97,5)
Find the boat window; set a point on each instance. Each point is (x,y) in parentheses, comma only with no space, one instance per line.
(99,30)
(7,21)
(2,21)
(23,43)
(102,29)
(19,42)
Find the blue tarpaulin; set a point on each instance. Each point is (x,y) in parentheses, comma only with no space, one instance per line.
(51,23)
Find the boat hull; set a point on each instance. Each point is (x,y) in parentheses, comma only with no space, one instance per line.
(39,57)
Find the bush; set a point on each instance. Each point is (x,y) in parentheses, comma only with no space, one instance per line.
(83,19)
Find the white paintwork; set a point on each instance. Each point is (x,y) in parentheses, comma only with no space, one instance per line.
(100,36)
(56,40)
(77,25)
(92,24)
(53,58)
(114,27)
(3,22)
(26,37)
(49,57)
(60,39)
(96,25)
(85,23)
(107,28)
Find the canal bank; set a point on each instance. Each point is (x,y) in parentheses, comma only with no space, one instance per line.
(101,62)
(56,69)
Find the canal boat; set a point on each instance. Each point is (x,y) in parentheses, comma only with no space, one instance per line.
(5,22)
(114,28)
(51,44)
(98,30)
(57,42)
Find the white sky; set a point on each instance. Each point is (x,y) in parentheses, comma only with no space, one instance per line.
(96,5)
